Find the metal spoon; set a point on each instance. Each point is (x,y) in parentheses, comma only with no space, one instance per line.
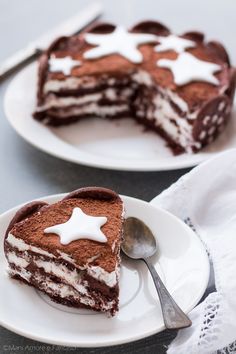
(139,243)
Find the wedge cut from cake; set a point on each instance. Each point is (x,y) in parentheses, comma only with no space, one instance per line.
(70,250)
(179,86)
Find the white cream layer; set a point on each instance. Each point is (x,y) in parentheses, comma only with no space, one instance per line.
(110,94)
(62,290)
(74,83)
(99,274)
(93,108)
(110,279)
(22,246)
(53,101)
(166,117)
(70,83)
(176,99)
(72,278)
(164,114)
(142,77)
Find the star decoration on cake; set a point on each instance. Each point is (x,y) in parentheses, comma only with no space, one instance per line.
(173,42)
(79,226)
(63,65)
(120,41)
(187,68)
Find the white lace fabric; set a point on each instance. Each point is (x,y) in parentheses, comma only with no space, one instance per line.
(206,199)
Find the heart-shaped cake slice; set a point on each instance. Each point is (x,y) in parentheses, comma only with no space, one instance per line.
(70,250)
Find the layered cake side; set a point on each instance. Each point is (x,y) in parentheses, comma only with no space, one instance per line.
(182,87)
(70,250)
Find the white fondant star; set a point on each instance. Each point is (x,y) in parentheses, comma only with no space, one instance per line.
(120,41)
(79,226)
(63,65)
(187,68)
(173,42)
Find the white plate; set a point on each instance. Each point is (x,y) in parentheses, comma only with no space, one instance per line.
(182,263)
(120,144)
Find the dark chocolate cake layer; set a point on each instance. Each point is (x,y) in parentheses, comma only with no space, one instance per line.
(83,272)
(188,114)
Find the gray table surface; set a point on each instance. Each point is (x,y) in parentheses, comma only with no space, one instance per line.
(27,173)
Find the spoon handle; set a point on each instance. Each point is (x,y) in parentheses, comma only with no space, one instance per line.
(173,316)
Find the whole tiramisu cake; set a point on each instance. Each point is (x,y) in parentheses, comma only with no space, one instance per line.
(180,86)
(70,250)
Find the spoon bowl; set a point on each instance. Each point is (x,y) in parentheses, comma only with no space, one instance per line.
(139,240)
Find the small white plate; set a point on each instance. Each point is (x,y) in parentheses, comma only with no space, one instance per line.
(182,263)
(120,144)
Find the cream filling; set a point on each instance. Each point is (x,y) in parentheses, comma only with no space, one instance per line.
(73,83)
(72,278)
(142,77)
(18,261)
(110,279)
(95,109)
(111,94)
(100,274)
(176,99)
(22,246)
(164,114)
(70,83)
(53,101)
(62,290)
(68,258)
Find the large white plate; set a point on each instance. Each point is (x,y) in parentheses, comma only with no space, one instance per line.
(182,263)
(120,145)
